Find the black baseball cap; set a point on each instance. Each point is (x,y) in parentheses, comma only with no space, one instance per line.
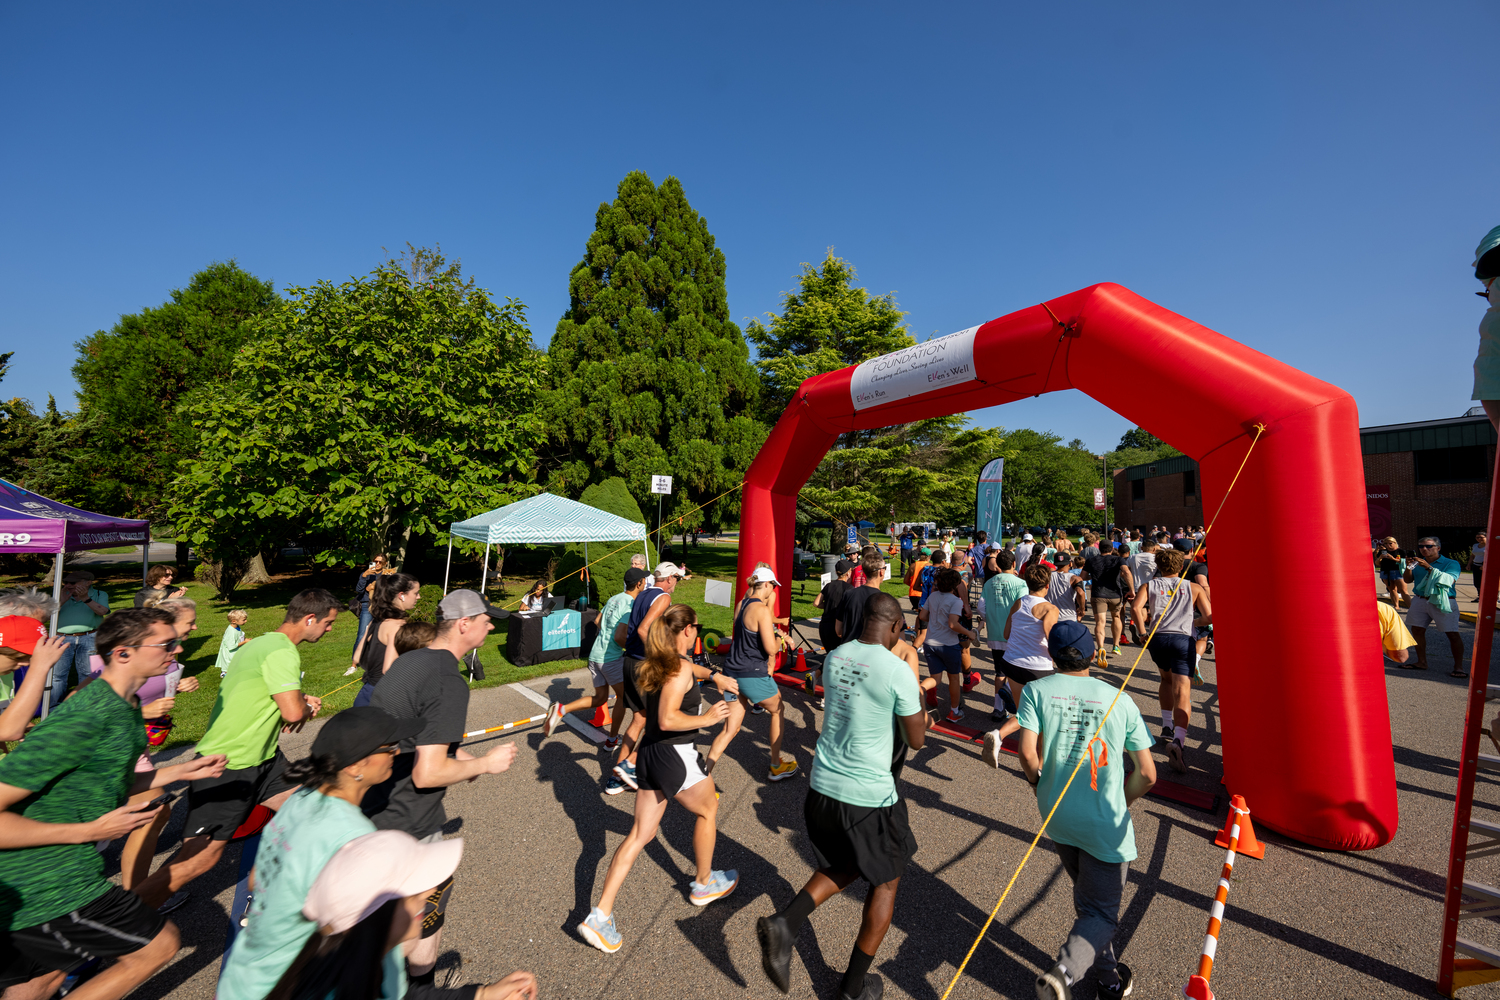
(355,733)
(635,575)
(1069,644)
(841,567)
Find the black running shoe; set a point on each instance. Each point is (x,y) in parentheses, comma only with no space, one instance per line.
(775,950)
(1123,987)
(874,989)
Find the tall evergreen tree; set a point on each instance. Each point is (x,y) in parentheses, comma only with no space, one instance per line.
(648,374)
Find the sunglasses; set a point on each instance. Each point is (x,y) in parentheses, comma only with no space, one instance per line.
(173,645)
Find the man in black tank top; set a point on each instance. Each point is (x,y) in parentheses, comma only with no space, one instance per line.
(631,636)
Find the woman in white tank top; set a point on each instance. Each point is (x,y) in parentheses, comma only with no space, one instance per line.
(1029,622)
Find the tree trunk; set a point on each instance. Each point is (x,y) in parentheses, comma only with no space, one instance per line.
(398,557)
(256,572)
(499,565)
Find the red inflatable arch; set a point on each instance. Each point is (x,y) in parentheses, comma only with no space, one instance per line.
(1302,706)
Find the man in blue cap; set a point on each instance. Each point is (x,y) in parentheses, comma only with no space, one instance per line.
(1066,718)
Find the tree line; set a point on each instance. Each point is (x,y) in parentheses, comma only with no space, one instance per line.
(365,415)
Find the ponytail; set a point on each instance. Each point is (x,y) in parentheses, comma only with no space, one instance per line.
(662,659)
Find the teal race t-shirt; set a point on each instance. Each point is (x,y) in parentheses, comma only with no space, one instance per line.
(864,686)
(615,610)
(1065,711)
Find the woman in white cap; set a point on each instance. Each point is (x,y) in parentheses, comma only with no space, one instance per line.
(754,642)
(668,766)
(366,903)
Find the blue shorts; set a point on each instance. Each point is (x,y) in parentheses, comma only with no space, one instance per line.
(1173,653)
(943,659)
(754,690)
(1390,576)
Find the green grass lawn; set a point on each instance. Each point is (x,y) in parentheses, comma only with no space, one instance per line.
(324,662)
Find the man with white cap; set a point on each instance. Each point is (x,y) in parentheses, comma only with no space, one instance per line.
(1023,551)
(426,684)
(357,950)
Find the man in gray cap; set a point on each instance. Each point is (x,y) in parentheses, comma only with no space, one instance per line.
(426,684)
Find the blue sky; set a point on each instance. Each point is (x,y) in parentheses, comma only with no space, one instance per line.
(1310,179)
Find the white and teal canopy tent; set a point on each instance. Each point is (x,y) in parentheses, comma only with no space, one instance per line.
(543,520)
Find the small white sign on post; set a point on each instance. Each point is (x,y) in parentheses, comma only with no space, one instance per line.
(718,592)
(887,571)
(661,484)
(825,580)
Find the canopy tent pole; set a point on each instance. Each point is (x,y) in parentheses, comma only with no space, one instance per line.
(448,568)
(484,574)
(57,575)
(585,574)
(146,556)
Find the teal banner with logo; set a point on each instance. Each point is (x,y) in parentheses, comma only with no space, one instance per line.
(987,499)
(562,630)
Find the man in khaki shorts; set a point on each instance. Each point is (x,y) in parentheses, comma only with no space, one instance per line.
(1110,583)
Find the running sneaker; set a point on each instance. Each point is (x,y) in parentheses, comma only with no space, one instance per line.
(613,786)
(553,720)
(784,770)
(353,669)
(991,752)
(971,681)
(874,989)
(611,744)
(1123,987)
(775,950)
(719,884)
(625,771)
(174,901)
(1167,735)
(757,710)
(1175,753)
(999,715)
(1115,650)
(1053,985)
(955,715)
(599,931)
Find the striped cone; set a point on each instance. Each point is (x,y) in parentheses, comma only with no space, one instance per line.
(1197,984)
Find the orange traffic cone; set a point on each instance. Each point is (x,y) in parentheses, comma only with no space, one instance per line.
(1248,847)
(698,646)
(802,661)
(601,716)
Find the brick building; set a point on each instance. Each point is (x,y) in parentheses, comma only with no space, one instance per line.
(1429,477)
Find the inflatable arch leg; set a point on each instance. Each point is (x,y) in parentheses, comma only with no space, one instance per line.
(1302,706)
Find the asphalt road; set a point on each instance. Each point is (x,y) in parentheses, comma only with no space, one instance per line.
(1301,923)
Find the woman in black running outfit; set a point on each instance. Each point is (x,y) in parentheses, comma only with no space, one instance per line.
(668,766)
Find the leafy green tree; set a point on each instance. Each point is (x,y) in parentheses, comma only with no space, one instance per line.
(124,446)
(648,375)
(366,414)
(612,495)
(825,325)
(1047,482)
(1138,446)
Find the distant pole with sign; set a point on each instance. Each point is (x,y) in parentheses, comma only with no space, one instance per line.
(1101,493)
(661,486)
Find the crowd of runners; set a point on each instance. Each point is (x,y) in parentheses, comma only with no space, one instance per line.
(354,878)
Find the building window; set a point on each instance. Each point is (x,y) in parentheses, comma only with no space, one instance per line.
(1189,484)
(1137,489)
(1468,464)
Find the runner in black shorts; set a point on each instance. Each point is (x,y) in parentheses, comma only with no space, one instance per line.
(855,816)
(630,634)
(1167,604)
(668,766)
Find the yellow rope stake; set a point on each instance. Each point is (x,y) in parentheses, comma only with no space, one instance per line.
(1259,430)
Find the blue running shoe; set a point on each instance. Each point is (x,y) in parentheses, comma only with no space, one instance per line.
(626,772)
(599,931)
(613,786)
(719,884)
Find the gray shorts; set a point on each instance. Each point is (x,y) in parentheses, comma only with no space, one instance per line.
(1421,614)
(607,674)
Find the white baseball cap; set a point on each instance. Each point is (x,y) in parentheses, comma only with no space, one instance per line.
(1027,537)
(666,569)
(763,574)
(373,869)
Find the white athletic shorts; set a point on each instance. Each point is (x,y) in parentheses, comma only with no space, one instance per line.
(997,644)
(1422,614)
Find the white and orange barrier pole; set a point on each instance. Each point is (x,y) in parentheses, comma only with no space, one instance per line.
(508,725)
(1239,817)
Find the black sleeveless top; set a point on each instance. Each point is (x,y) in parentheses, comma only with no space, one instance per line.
(373,658)
(692,704)
(746,657)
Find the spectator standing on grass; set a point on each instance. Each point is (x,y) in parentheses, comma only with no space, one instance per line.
(82,611)
(908,546)
(1091,829)
(1432,576)
(1476,559)
(261,698)
(159,585)
(61,792)
(354,751)
(426,684)
(364,594)
(395,595)
(233,639)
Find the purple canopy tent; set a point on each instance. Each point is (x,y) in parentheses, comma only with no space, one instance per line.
(29,522)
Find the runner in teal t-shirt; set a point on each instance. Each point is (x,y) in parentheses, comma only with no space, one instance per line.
(1067,718)
(606,664)
(1001,591)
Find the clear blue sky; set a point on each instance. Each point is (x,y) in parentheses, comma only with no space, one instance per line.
(1310,179)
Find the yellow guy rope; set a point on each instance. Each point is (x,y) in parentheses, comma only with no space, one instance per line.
(1259,430)
(677,520)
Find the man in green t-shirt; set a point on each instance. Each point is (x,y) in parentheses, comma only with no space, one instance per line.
(1060,715)
(855,817)
(261,698)
(82,611)
(1001,591)
(62,791)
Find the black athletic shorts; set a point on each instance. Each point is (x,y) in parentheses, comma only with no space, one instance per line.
(1019,674)
(633,699)
(875,841)
(1173,653)
(117,923)
(669,768)
(217,806)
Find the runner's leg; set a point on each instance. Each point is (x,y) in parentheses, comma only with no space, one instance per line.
(731,727)
(777,710)
(649,807)
(129,971)
(1420,636)
(703,802)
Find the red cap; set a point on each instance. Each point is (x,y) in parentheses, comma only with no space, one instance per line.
(21,633)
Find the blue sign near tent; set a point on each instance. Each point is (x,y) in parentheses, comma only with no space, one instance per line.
(562,630)
(853,535)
